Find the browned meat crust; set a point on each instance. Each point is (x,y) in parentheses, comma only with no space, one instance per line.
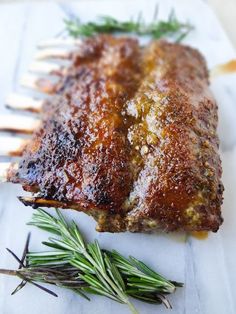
(130,138)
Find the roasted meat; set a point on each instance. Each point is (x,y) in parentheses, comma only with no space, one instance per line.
(128,137)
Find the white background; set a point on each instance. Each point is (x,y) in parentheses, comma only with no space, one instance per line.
(206,267)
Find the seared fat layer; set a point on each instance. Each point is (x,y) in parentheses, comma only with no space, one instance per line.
(130,138)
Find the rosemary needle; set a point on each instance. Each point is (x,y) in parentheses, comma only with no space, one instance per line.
(86,268)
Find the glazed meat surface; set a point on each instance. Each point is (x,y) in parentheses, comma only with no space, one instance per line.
(129,137)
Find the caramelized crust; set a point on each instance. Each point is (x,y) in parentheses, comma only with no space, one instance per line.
(130,138)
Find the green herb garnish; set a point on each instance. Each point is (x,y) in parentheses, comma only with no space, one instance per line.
(106,24)
(86,268)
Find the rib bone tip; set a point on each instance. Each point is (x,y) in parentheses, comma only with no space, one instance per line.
(53,53)
(25,103)
(12,146)
(18,124)
(4,168)
(44,67)
(55,42)
(43,85)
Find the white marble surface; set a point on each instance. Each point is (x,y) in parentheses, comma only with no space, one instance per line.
(206,267)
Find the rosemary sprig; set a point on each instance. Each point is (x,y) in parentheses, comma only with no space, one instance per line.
(172,27)
(97,272)
(86,268)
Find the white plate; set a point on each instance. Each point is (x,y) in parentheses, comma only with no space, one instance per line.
(206,267)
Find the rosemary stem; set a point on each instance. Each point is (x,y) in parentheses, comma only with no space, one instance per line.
(132,307)
(9,272)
